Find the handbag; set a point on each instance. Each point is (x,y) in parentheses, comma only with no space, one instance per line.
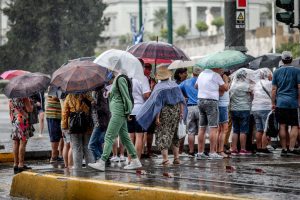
(33,116)
(181,133)
(272,126)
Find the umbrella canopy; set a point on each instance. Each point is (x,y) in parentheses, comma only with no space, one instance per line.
(78,76)
(181,64)
(227,59)
(121,62)
(157,50)
(26,85)
(265,61)
(10,74)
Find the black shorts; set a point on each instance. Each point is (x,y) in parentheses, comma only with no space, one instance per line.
(133,126)
(54,129)
(288,116)
(151,129)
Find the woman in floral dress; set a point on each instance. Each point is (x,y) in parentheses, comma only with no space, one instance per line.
(19,109)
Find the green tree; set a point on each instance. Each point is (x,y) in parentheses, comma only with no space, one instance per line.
(218,22)
(293,47)
(160,18)
(45,34)
(182,31)
(125,39)
(201,26)
(164,33)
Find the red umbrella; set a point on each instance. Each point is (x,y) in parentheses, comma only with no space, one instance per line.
(152,60)
(10,74)
(157,50)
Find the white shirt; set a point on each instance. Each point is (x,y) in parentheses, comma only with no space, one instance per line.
(261,101)
(139,88)
(208,84)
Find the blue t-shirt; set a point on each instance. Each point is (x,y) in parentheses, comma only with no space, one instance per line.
(286,79)
(188,89)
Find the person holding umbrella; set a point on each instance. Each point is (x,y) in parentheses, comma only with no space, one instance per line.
(18,90)
(124,65)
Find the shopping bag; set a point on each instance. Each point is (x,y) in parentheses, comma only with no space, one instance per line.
(181,130)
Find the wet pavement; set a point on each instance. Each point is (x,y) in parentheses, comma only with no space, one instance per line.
(263,177)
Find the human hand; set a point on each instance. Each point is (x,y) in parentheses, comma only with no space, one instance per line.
(273,106)
(157,121)
(38,103)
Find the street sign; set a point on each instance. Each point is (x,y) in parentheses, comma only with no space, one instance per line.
(240,19)
(241,4)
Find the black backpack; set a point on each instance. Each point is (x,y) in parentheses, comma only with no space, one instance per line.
(79,120)
(129,83)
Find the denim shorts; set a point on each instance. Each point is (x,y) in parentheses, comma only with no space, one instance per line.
(54,129)
(260,117)
(192,121)
(209,113)
(223,114)
(240,121)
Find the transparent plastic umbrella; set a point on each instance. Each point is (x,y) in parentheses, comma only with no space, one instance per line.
(181,64)
(122,62)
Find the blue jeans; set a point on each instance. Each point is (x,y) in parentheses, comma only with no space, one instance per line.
(96,142)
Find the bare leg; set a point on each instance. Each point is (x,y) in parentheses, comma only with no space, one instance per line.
(191,140)
(22,148)
(54,147)
(243,139)
(234,142)
(121,146)
(139,144)
(181,145)
(66,150)
(201,139)
(70,157)
(41,122)
(213,139)
(175,152)
(164,154)
(60,147)
(16,152)
(264,141)
(259,138)
(222,134)
(115,148)
(293,137)
(282,135)
(149,143)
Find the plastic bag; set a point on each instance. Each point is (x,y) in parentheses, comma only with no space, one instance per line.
(181,130)
(272,126)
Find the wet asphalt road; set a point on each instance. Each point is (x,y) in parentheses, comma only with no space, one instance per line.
(263,177)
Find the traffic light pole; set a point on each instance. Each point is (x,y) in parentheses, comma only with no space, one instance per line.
(170,22)
(234,35)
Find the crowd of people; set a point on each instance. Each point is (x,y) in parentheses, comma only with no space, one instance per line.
(127,113)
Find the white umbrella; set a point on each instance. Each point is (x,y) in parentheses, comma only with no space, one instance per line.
(121,62)
(181,64)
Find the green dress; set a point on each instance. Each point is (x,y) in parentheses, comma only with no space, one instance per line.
(120,107)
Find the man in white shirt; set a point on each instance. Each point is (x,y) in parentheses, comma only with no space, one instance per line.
(140,92)
(209,84)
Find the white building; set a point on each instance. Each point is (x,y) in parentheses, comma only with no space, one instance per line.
(185,12)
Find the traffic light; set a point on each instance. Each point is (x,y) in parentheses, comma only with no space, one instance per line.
(291,14)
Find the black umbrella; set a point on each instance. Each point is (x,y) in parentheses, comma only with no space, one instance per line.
(265,61)
(26,85)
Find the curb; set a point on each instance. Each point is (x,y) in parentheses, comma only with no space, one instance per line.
(30,155)
(37,186)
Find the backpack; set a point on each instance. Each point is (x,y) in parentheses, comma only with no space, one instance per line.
(79,120)
(272,127)
(129,83)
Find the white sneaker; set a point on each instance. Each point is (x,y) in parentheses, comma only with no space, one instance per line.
(214,156)
(134,164)
(115,159)
(201,156)
(122,158)
(99,165)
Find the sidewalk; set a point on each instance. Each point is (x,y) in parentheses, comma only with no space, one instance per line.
(255,177)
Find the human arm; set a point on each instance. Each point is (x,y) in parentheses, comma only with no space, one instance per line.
(65,114)
(224,87)
(124,92)
(181,111)
(157,120)
(274,91)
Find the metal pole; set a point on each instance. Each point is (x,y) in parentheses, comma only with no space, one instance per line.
(234,37)
(170,22)
(140,14)
(273,27)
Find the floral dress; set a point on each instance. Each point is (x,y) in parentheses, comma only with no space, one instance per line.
(21,129)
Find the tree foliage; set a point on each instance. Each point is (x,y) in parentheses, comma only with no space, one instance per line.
(293,47)
(201,26)
(160,18)
(182,31)
(218,22)
(45,34)
(164,33)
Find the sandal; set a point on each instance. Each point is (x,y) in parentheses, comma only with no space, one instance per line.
(165,163)
(176,161)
